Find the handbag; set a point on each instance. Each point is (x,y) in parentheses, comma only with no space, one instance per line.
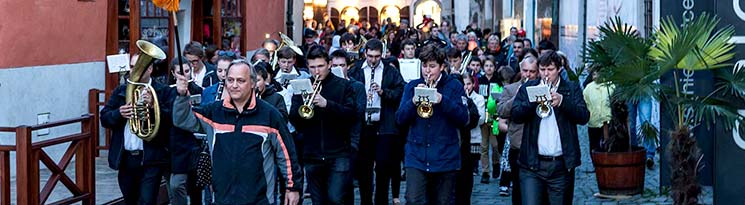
(204,168)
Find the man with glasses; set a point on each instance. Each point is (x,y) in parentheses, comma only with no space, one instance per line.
(194,53)
(248,140)
(384,86)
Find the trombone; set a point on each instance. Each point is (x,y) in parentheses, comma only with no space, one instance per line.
(306,110)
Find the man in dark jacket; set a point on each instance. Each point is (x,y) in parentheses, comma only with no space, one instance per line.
(248,141)
(141,164)
(384,86)
(326,133)
(550,148)
(432,155)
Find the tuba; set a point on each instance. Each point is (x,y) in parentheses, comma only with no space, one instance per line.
(286,41)
(544,108)
(306,110)
(146,119)
(424,109)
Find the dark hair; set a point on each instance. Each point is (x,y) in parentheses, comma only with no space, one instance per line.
(546,45)
(262,69)
(316,52)
(519,41)
(286,53)
(452,53)
(477,59)
(374,45)
(194,48)
(210,51)
(346,37)
(175,62)
(225,58)
(260,51)
(550,58)
(431,53)
(527,40)
(492,59)
(340,54)
(532,51)
(408,42)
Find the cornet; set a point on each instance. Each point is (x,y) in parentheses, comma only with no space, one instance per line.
(306,110)
(544,108)
(424,109)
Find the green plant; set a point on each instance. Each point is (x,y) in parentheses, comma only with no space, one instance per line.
(634,63)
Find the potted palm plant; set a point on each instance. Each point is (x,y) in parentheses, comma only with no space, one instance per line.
(697,45)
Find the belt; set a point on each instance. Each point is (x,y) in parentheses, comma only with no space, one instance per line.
(133,152)
(550,158)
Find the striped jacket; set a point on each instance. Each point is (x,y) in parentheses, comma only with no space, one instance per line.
(247,148)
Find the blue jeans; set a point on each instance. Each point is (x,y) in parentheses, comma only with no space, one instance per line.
(329,181)
(644,110)
(434,188)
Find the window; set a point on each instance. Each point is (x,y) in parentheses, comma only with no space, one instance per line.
(223,30)
(369,14)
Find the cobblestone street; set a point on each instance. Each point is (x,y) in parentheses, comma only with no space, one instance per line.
(107,188)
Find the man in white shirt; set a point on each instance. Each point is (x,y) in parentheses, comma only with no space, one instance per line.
(550,149)
(141,164)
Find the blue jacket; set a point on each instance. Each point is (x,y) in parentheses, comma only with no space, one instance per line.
(432,144)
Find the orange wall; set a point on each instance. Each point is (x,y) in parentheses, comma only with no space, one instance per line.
(48,32)
(262,17)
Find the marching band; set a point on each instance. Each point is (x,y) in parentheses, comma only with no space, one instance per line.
(322,118)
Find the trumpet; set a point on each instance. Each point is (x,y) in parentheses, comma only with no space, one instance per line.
(306,110)
(544,108)
(424,109)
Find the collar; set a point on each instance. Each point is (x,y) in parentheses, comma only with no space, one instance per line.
(228,103)
(365,65)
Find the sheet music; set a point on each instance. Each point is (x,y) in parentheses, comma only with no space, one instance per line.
(118,63)
(284,77)
(424,94)
(538,93)
(301,86)
(410,69)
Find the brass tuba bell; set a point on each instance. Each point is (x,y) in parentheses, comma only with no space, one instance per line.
(146,120)
(286,41)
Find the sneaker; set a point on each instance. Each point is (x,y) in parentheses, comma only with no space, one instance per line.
(485,178)
(504,191)
(650,163)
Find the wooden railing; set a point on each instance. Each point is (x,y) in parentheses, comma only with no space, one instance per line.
(94,107)
(29,153)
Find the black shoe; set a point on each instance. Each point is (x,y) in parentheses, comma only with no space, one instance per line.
(485,178)
(504,191)
(650,163)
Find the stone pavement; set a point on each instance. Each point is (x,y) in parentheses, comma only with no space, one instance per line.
(585,186)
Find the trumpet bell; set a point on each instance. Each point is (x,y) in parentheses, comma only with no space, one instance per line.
(543,110)
(305,111)
(424,110)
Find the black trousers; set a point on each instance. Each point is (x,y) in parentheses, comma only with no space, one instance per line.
(363,170)
(388,167)
(139,184)
(464,177)
(433,188)
(329,180)
(552,183)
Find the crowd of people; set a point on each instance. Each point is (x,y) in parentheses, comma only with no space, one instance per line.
(244,118)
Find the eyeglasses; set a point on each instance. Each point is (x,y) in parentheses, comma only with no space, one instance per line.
(226,53)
